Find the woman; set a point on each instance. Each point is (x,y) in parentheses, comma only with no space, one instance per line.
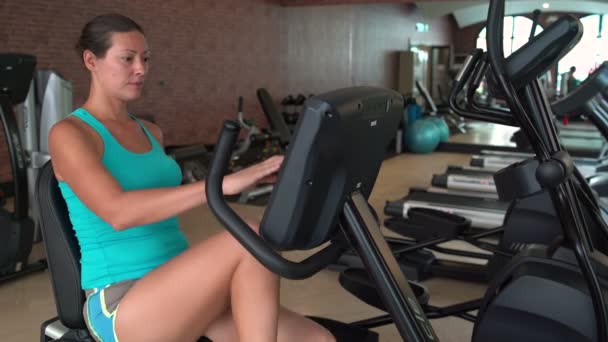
(142,281)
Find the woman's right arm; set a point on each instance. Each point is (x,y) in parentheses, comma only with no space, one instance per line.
(77,161)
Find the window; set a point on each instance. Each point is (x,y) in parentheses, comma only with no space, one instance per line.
(590,52)
(516,33)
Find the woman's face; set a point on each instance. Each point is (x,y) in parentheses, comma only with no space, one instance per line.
(122,72)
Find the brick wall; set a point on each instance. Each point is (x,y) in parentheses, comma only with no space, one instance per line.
(207,53)
(204,55)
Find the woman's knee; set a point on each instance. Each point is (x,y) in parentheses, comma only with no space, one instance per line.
(322,335)
(295,327)
(255,227)
(232,245)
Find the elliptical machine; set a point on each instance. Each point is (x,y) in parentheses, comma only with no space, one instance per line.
(571,267)
(48,101)
(17,228)
(567,269)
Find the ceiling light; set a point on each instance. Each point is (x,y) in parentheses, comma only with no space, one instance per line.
(546,5)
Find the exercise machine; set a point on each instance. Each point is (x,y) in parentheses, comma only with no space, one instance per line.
(525,302)
(330,168)
(455,122)
(49,100)
(257,145)
(64,266)
(323,186)
(17,228)
(589,101)
(522,204)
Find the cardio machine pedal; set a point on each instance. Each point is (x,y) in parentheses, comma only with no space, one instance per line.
(425,223)
(358,282)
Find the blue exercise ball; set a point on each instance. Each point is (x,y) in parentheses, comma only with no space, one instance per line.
(422,136)
(444,130)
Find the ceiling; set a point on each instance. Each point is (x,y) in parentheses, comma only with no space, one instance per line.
(471,12)
(468,12)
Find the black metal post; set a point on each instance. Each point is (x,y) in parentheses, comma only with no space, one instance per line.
(392,285)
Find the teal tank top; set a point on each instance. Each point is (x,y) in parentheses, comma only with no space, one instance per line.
(107,255)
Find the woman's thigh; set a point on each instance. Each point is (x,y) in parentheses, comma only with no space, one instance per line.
(178,299)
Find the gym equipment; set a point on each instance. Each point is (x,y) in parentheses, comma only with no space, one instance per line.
(278,125)
(299,103)
(290,115)
(48,101)
(276,140)
(324,185)
(470,181)
(506,297)
(252,132)
(526,302)
(413,110)
(17,227)
(422,136)
(528,206)
(442,127)
(454,122)
(494,216)
(257,145)
(321,177)
(423,141)
(292,107)
(64,254)
(588,100)
(484,213)
(279,135)
(192,159)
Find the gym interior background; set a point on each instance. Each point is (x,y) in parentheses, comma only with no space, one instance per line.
(205,54)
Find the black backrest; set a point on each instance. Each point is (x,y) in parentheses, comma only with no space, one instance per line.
(62,249)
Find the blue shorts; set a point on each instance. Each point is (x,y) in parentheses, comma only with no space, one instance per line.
(101,307)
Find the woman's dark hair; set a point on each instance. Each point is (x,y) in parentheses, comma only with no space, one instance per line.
(96,34)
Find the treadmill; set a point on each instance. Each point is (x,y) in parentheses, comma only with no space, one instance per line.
(486,214)
(588,100)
